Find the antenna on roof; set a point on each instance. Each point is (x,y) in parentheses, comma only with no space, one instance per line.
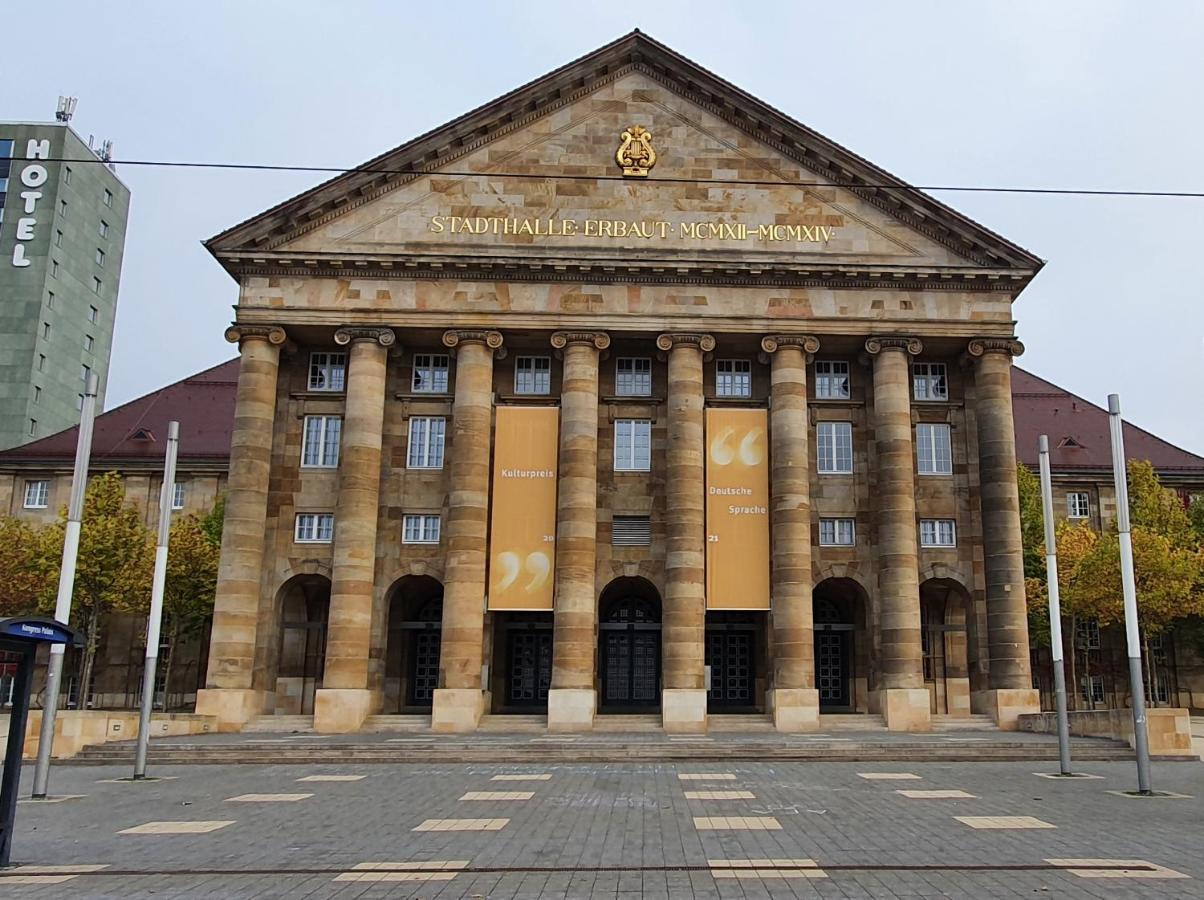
(66,109)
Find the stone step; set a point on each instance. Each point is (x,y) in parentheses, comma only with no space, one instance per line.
(396,723)
(739,723)
(963,723)
(598,752)
(281,724)
(621,723)
(513,723)
(834,723)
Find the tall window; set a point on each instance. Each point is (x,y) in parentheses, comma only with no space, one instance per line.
(1078,505)
(327,371)
(633,376)
(426,442)
(84,372)
(320,441)
(314,528)
(89,343)
(938,533)
(733,378)
(837,532)
(100,257)
(834,448)
(430,373)
(95,285)
(37,494)
(103,228)
(419,529)
(54,268)
(108,197)
(177,495)
(929,382)
(831,380)
(45,331)
(533,375)
(1087,634)
(93,314)
(633,445)
(933,452)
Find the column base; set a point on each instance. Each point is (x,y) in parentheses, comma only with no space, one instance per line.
(684,711)
(1005,705)
(906,709)
(571,709)
(341,710)
(795,709)
(232,707)
(456,710)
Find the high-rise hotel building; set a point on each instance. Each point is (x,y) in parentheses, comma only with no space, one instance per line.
(625,391)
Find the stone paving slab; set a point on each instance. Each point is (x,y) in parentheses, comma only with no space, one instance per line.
(612,830)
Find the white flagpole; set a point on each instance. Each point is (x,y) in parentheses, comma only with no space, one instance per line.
(1055,606)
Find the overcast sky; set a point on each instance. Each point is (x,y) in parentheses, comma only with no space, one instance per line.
(1089,95)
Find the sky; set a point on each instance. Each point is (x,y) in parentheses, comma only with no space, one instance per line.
(1094,94)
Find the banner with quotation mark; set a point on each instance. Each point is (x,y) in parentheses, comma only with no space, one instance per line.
(522,545)
(737,443)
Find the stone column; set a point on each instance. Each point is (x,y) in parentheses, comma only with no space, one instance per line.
(1011,689)
(232,693)
(684,695)
(459,701)
(345,700)
(902,698)
(572,699)
(794,701)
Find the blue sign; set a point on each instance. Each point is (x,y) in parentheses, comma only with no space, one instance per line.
(33,629)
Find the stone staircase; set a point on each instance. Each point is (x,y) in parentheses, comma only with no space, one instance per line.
(739,723)
(842,723)
(281,725)
(505,723)
(394,723)
(627,723)
(943,723)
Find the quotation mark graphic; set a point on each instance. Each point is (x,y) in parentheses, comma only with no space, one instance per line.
(726,447)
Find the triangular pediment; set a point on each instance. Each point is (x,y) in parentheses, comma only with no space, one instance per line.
(532,178)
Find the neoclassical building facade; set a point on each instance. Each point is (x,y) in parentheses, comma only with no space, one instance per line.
(624,392)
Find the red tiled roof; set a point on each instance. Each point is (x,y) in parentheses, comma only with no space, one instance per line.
(1078,431)
(203,404)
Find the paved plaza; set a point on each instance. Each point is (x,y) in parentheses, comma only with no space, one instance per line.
(690,829)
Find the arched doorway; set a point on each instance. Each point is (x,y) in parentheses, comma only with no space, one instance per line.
(943,607)
(838,611)
(304,609)
(629,637)
(412,649)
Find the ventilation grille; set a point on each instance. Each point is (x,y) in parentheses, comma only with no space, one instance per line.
(631,531)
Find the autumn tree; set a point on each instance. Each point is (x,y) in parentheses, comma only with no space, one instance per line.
(113,569)
(191,582)
(20,555)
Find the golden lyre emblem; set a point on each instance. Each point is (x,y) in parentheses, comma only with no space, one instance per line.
(635,155)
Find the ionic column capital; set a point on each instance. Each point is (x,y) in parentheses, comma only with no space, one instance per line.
(912,346)
(1007,345)
(349,334)
(704,342)
(273,334)
(806,342)
(599,340)
(457,336)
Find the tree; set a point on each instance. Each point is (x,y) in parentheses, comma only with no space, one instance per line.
(212,521)
(1032,522)
(191,582)
(113,569)
(21,587)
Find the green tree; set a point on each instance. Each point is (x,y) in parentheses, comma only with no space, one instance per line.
(190,585)
(20,554)
(212,521)
(1032,522)
(113,569)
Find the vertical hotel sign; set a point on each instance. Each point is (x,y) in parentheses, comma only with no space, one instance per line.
(522,544)
(737,509)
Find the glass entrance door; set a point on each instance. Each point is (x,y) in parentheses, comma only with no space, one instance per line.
(832,668)
(530,667)
(733,674)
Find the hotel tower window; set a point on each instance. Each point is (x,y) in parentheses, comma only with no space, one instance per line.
(430,373)
(420,529)
(314,528)
(834,448)
(320,441)
(929,382)
(832,380)
(733,378)
(533,375)
(933,452)
(633,445)
(837,533)
(327,371)
(938,533)
(426,442)
(633,377)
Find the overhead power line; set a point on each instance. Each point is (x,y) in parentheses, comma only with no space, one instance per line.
(736,182)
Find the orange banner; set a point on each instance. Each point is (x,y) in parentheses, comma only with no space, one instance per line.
(737,508)
(522,557)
